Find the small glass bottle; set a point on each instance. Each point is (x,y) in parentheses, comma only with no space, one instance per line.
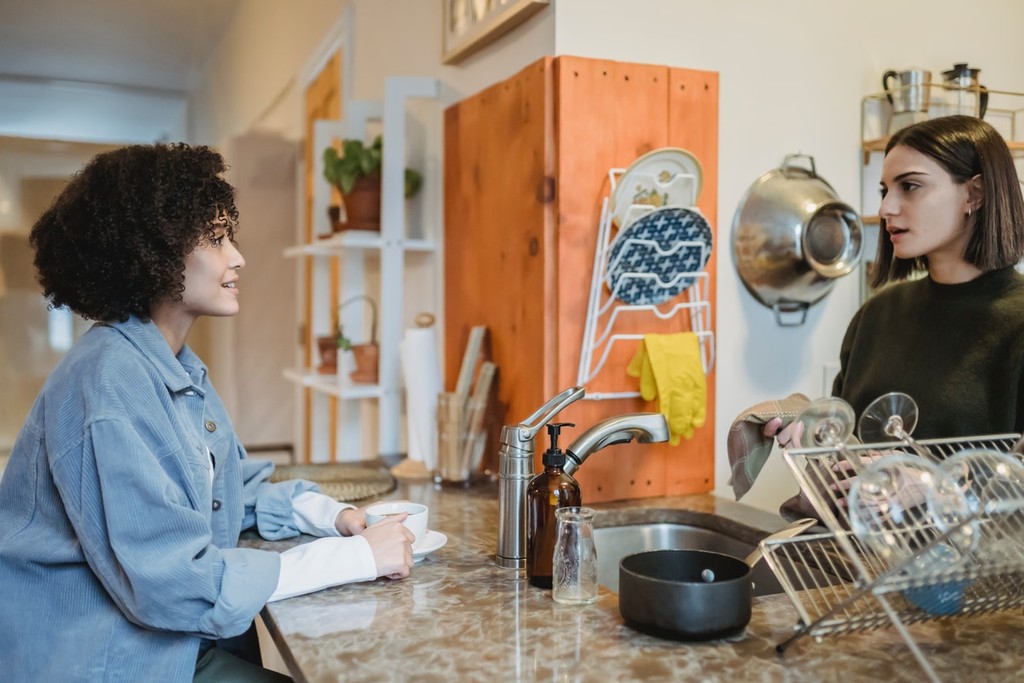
(546,492)
(574,570)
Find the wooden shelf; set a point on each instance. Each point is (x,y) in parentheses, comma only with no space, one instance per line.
(331,384)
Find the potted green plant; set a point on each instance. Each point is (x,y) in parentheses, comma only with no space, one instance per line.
(355,171)
(366,355)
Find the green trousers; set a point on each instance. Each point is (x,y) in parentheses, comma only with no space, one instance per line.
(235,660)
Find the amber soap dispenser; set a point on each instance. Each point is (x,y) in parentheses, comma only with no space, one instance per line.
(546,492)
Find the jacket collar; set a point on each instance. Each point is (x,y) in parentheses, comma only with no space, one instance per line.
(179,372)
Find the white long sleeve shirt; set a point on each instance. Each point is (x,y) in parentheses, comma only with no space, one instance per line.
(328,561)
(331,560)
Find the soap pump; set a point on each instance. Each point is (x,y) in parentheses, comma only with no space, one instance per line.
(549,490)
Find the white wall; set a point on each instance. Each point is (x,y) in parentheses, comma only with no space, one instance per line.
(252,80)
(792,74)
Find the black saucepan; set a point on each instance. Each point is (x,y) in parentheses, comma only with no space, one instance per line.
(690,594)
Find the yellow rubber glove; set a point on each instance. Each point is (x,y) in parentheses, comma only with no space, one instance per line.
(669,369)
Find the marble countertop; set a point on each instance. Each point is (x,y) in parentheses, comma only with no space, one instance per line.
(460,617)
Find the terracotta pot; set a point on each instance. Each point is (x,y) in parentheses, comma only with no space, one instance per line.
(362,205)
(366,357)
(334,215)
(328,348)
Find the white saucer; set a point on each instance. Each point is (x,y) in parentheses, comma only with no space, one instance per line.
(431,541)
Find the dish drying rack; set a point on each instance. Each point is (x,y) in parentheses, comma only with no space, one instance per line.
(839,582)
(603,313)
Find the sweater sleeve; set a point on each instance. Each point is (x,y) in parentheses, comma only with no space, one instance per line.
(269,506)
(145,539)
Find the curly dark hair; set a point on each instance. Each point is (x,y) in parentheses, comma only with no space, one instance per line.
(114,241)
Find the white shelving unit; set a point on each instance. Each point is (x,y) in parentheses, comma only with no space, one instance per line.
(353,249)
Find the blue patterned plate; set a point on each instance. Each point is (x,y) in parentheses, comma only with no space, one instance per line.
(669,227)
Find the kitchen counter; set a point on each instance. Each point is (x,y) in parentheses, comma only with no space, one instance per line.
(459,617)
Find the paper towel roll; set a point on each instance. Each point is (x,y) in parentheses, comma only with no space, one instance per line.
(422,372)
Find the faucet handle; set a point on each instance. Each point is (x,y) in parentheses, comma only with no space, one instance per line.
(529,427)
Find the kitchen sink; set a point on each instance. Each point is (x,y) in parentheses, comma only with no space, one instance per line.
(615,542)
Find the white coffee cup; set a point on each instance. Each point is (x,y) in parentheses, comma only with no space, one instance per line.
(416,522)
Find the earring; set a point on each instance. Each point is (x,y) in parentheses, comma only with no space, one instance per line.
(968,211)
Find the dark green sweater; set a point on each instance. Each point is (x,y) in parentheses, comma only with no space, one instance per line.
(957,349)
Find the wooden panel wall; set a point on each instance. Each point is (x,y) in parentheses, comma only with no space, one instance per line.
(601,114)
(498,234)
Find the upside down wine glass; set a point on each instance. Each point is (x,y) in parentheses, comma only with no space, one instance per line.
(902,502)
(825,422)
(890,417)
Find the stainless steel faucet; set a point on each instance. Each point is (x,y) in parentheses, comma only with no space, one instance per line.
(515,469)
(518,445)
(644,427)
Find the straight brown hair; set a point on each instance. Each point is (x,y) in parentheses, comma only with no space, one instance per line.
(965,146)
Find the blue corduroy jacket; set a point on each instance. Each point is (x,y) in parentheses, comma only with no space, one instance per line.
(117,552)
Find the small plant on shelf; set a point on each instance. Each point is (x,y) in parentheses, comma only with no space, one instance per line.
(355,171)
(365,355)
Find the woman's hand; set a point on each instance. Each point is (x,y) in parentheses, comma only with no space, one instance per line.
(351,521)
(391,543)
(788,437)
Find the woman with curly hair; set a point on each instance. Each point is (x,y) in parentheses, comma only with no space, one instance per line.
(127,487)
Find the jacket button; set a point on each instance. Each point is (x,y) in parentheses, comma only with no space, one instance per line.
(216,505)
(211,426)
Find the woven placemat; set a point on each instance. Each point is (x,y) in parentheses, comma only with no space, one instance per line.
(342,481)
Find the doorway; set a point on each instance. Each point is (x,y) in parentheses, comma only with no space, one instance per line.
(33,338)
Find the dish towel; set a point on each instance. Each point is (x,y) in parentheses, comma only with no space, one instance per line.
(670,369)
(748,448)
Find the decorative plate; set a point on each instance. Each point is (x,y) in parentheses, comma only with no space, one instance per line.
(669,176)
(669,227)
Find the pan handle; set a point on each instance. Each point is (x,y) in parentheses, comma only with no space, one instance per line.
(787,165)
(794,529)
(790,313)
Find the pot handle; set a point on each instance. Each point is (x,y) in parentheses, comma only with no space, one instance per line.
(885,83)
(786,165)
(792,309)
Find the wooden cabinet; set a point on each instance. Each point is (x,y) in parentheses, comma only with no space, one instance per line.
(526,168)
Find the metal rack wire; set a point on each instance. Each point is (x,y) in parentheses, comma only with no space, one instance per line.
(904,568)
(600,333)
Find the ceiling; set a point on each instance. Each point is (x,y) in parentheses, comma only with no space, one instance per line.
(143,45)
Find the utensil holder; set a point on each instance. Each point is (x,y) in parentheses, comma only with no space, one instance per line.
(459,445)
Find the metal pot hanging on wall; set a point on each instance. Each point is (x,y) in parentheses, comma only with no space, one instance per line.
(792,238)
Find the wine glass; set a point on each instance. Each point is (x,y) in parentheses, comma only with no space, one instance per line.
(900,503)
(993,485)
(890,417)
(826,421)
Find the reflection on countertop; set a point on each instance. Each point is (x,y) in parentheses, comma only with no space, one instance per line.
(459,617)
